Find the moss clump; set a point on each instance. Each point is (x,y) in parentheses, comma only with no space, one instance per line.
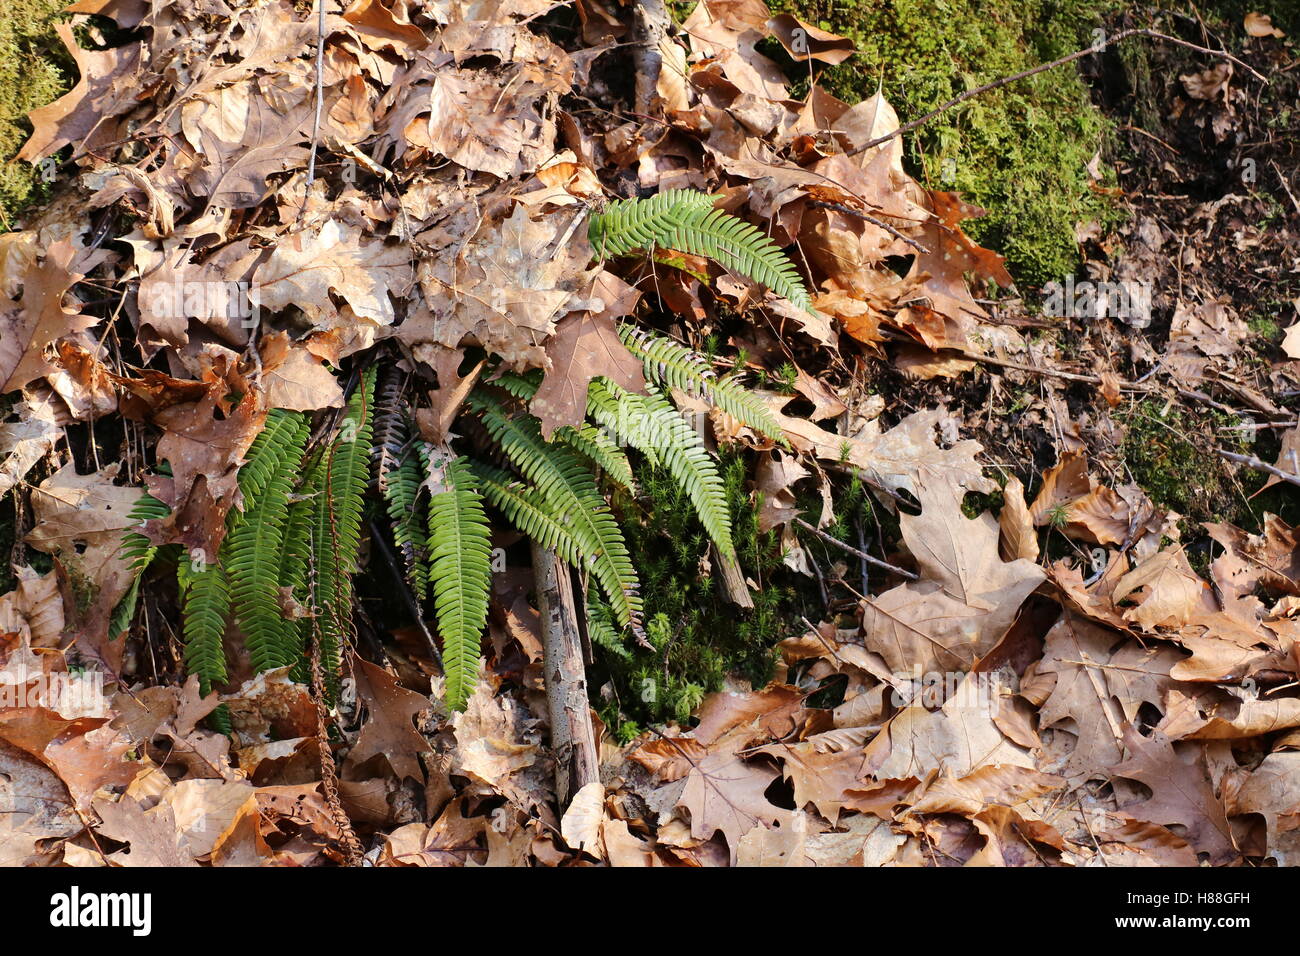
(1170,455)
(34,70)
(1021,151)
(698,638)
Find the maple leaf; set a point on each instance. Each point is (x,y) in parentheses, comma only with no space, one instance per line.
(388,730)
(294,378)
(706,774)
(205,441)
(34,809)
(28,327)
(243,138)
(33,609)
(305,269)
(453,388)
(950,253)
(506,290)
(956,738)
(25,442)
(85,114)
(80,520)
(586,345)
(483,123)
(1183,793)
(1272,790)
(1171,591)
(966,598)
(212,294)
(451,841)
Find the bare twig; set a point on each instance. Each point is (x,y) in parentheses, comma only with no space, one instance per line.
(1250,461)
(854,551)
(320,96)
(840,207)
(412,605)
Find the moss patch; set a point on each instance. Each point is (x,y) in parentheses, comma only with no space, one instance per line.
(1170,454)
(34,70)
(698,637)
(1021,151)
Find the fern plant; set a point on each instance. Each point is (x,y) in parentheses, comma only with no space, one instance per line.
(686,220)
(282,581)
(551,491)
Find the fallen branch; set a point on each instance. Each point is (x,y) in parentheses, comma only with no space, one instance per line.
(651,22)
(852,550)
(1250,461)
(573,739)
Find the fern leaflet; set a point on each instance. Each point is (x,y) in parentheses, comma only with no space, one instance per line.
(685,220)
(460,572)
(675,366)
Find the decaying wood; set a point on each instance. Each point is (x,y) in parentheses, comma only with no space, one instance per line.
(733,579)
(651,29)
(573,738)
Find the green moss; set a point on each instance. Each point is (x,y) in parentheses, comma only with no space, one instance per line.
(698,637)
(1170,455)
(1021,151)
(34,70)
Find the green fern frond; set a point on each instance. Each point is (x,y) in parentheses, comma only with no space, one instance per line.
(586,440)
(562,479)
(522,386)
(404,496)
(297,558)
(629,224)
(252,550)
(675,366)
(685,220)
(601,450)
(528,510)
(138,551)
(336,525)
(206,597)
(460,572)
(601,630)
(650,423)
(265,454)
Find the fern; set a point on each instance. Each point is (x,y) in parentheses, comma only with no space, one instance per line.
(675,366)
(650,422)
(252,549)
(601,630)
(686,220)
(589,441)
(528,510)
(336,525)
(568,487)
(460,572)
(206,596)
(403,492)
(138,551)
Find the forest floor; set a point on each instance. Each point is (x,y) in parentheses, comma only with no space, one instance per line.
(1011,503)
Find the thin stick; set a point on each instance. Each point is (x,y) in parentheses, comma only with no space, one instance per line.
(1251,461)
(871,219)
(411,603)
(852,550)
(1025,74)
(320,96)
